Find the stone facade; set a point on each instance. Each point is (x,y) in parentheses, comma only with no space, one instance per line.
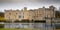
(35,14)
(12,15)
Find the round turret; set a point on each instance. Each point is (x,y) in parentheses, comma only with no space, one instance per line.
(52,7)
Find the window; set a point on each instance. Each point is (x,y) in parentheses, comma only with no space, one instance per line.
(16,13)
(19,16)
(9,13)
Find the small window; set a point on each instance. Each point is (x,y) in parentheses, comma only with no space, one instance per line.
(16,13)
(9,13)
(19,16)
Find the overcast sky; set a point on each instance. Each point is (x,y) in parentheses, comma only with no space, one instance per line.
(30,4)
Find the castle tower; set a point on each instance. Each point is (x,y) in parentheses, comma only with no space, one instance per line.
(52,7)
(25,8)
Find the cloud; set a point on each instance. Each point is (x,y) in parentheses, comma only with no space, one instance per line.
(7,4)
(31,1)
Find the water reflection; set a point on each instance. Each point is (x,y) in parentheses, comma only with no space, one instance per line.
(24,25)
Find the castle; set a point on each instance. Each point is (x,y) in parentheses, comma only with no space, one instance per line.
(31,14)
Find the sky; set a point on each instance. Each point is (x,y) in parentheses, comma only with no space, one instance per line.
(30,4)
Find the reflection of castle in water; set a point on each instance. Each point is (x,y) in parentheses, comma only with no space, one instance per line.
(41,26)
(25,25)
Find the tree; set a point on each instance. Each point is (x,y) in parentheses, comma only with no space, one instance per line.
(57,14)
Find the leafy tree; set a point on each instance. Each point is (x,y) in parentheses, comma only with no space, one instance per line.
(57,14)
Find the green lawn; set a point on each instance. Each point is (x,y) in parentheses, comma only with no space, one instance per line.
(18,29)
